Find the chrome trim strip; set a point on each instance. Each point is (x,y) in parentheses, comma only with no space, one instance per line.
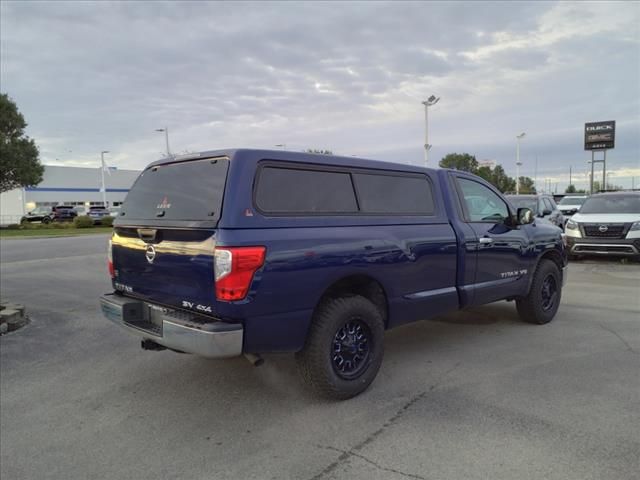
(430,293)
(632,249)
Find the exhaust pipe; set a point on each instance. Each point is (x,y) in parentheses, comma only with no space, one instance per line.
(255,360)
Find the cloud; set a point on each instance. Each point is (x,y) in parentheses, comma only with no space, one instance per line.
(347,76)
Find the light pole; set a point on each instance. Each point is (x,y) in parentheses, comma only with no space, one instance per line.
(103,188)
(518,163)
(429,102)
(570,167)
(166,138)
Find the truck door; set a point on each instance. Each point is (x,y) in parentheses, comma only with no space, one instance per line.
(501,248)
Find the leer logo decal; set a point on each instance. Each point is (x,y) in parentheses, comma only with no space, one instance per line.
(164,204)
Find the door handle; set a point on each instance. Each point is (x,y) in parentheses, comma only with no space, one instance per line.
(486,240)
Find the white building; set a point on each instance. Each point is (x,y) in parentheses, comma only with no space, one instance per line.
(488,163)
(67,186)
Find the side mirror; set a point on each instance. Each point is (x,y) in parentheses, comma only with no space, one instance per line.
(525,216)
(546,212)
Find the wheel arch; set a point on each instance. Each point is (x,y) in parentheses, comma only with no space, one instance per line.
(553,255)
(358,284)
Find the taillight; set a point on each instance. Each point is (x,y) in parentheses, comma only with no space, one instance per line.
(112,272)
(234,268)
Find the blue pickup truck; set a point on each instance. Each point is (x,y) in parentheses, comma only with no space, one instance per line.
(234,252)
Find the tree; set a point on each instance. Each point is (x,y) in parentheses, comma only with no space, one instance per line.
(502,181)
(460,161)
(486,173)
(496,176)
(570,189)
(527,186)
(19,162)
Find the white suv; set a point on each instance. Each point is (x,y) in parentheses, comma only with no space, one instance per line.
(571,204)
(607,224)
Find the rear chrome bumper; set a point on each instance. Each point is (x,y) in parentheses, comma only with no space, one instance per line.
(174,329)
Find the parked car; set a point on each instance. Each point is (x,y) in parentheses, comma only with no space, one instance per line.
(543,207)
(571,204)
(247,252)
(607,224)
(59,213)
(81,210)
(97,213)
(114,211)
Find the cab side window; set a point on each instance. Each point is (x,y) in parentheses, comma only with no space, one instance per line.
(482,204)
(548,205)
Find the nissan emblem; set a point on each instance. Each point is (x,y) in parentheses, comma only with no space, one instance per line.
(150,253)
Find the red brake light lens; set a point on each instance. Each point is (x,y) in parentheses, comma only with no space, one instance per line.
(112,271)
(234,269)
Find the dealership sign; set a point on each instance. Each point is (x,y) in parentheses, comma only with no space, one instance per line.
(599,135)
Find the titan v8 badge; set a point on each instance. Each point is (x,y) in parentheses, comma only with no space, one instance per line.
(514,273)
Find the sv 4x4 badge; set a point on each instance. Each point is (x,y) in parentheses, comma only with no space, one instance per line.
(194,306)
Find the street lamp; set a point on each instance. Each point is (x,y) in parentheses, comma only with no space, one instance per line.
(166,138)
(429,102)
(518,163)
(103,188)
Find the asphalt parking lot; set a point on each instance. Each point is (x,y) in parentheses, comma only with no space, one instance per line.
(473,395)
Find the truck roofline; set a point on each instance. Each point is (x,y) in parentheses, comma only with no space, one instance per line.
(286,155)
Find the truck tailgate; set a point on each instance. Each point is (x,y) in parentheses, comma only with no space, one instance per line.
(172,267)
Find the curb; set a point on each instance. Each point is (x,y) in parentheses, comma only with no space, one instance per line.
(12,317)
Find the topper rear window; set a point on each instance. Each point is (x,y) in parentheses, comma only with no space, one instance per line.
(182,191)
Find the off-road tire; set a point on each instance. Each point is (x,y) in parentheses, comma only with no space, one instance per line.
(315,360)
(531,308)
(46,220)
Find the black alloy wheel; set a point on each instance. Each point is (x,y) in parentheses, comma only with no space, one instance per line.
(549,292)
(344,347)
(350,349)
(541,303)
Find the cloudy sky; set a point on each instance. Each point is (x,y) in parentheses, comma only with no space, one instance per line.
(92,76)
